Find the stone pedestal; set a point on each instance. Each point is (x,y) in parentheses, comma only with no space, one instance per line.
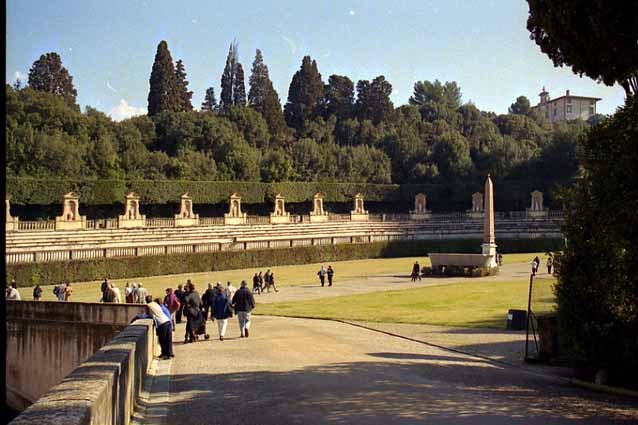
(489,252)
(234,215)
(70,218)
(359,213)
(318,214)
(475,215)
(420,211)
(477,212)
(279,215)
(131,217)
(186,217)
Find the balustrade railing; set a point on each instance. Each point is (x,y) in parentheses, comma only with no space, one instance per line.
(257,219)
(36,225)
(338,217)
(211,221)
(160,222)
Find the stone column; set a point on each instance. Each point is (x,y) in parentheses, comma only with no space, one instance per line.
(279,215)
(488,247)
(70,218)
(318,214)
(186,217)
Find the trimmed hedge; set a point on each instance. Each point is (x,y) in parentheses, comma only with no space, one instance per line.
(130,267)
(509,195)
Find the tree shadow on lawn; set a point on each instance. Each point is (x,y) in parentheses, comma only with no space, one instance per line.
(410,390)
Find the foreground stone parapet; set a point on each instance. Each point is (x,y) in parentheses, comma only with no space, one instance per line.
(536,209)
(279,215)
(70,218)
(186,217)
(318,214)
(234,215)
(359,213)
(420,211)
(132,217)
(12,222)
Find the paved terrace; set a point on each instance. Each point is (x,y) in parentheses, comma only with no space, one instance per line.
(301,371)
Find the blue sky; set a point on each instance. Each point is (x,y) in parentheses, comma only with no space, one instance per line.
(109,46)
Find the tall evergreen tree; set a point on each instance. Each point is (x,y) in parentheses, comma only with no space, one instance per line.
(185,95)
(263,97)
(47,74)
(163,94)
(339,97)
(210,103)
(226,96)
(239,89)
(373,99)
(304,95)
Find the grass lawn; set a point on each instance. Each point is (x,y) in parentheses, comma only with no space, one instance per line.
(467,304)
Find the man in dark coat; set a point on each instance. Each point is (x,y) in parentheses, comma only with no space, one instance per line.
(181,297)
(195,323)
(243,303)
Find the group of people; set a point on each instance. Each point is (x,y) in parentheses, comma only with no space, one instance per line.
(536,263)
(264,282)
(221,302)
(323,272)
(133,293)
(12,293)
(62,292)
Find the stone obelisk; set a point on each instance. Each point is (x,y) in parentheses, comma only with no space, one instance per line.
(489,246)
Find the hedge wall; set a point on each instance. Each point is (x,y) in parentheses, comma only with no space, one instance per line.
(509,195)
(118,268)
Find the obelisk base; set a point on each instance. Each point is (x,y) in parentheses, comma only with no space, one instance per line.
(489,251)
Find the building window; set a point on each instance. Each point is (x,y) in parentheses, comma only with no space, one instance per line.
(569,108)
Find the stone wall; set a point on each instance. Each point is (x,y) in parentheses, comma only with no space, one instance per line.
(48,340)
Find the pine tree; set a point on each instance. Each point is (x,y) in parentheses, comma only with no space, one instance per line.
(226,97)
(263,97)
(239,90)
(304,95)
(373,99)
(47,74)
(210,103)
(163,94)
(339,97)
(185,95)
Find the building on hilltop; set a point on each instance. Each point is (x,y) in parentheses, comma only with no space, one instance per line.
(566,107)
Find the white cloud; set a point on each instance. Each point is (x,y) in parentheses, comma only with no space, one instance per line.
(124,111)
(110,87)
(19,76)
(351,13)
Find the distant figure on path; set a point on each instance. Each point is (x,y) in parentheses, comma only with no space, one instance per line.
(115,294)
(128,294)
(330,273)
(271,281)
(221,311)
(68,291)
(106,288)
(172,303)
(550,263)
(230,290)
(12,292)
(256,287)
(499,259)
(181,297)
(37,293)
(243,302)
(140,294)
(59,291)
(207,300)
(195,322)
(163,325)
(416,272)
(322,275)
(535,263)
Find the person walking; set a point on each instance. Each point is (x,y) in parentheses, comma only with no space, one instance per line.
(128,294)
(322,275)
(416,271)
(68,292)
(181,295)
(271,279)
(207,300)
(221,311)
(140,293)
(12,293)
(163,326)
(267,280)
(256,287)
(550,263)
(37,293)
(195,323)
(116,296)
(535,263)
(230,290)
(172,303)
(59,291)
(106,288)
(330,273)
(243,302)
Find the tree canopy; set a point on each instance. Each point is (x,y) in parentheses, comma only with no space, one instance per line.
(163,94)
(48,75)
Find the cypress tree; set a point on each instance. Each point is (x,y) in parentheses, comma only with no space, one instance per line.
(184,94)
(210,103)
(304,95)
(163,94)
(226,96)
(47,74)
(263,97)
(239,90)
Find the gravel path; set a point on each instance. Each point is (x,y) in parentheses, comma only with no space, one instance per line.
(300,371)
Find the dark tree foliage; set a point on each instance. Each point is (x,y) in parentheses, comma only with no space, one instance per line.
(597,38)
(184,94)
(339,97)
(263,97)
(228,78)
(304,95)
(520,107)
(437,101)
(239,89)
(597,287)
(373,99)
(48,75)
(210,103)
(163,94)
